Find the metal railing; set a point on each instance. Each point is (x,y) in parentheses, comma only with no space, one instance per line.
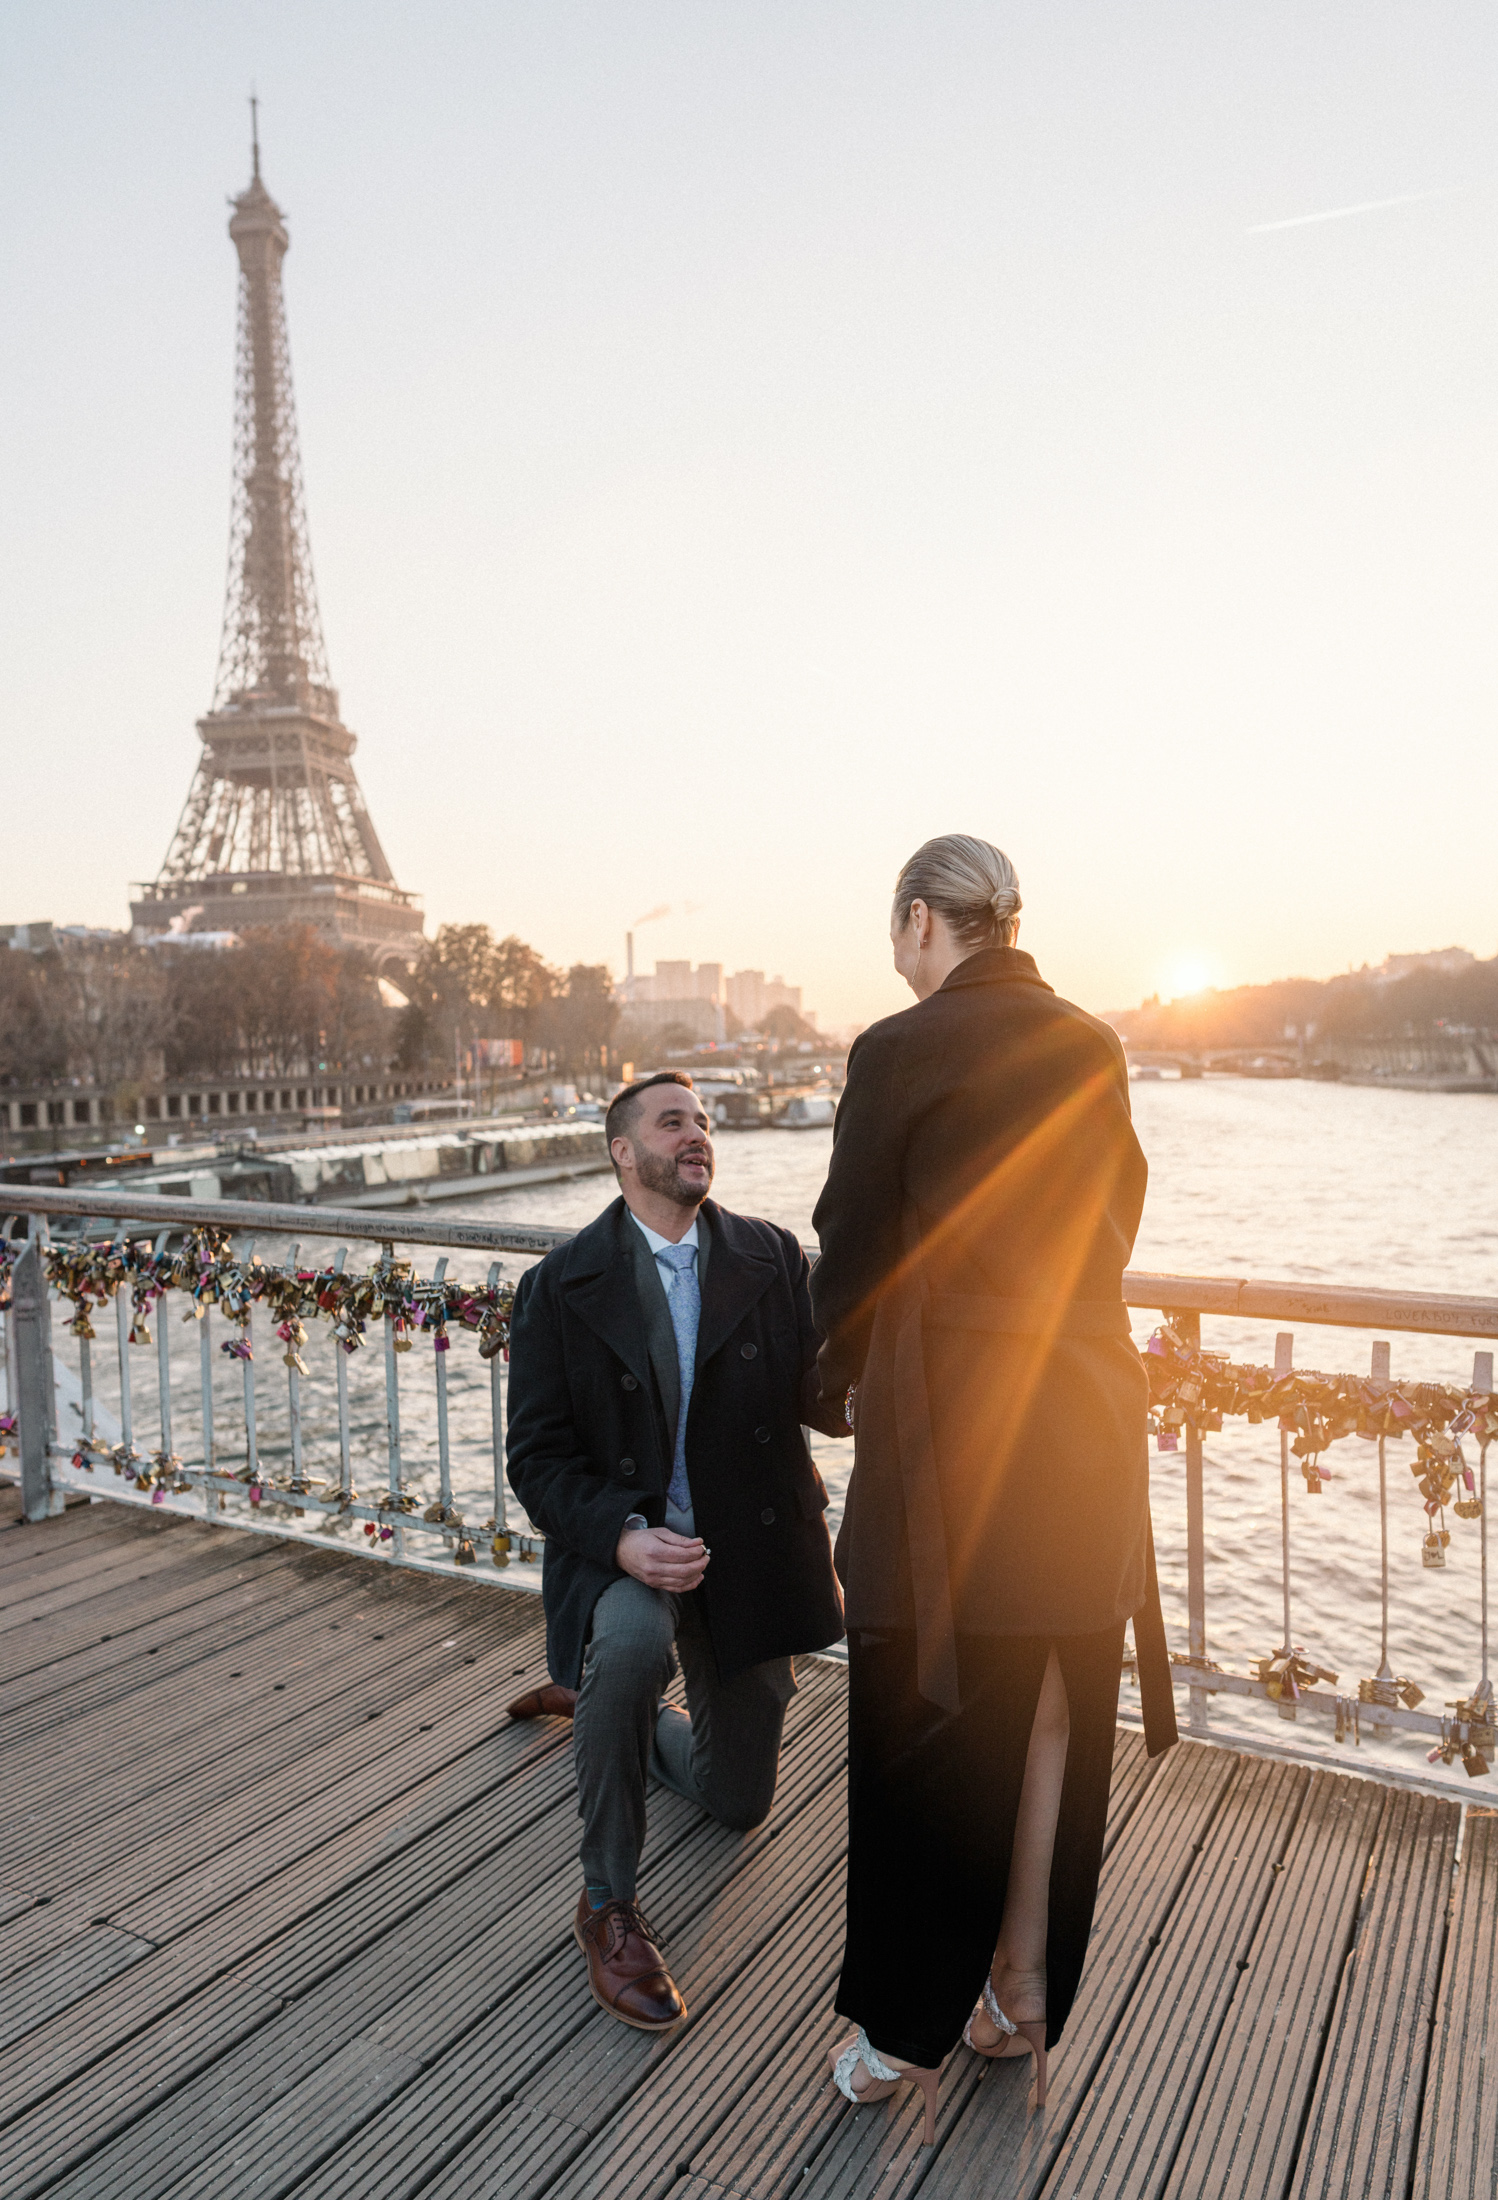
(398,1530)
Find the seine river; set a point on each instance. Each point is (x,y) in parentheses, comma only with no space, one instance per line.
(1274,1180)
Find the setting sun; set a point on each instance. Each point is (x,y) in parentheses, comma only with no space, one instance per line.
(1190,975)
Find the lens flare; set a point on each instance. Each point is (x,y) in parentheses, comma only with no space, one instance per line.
(1190,975)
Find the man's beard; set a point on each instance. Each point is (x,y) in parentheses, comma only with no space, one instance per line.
(657,1174)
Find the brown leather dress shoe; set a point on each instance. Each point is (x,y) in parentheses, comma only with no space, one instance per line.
(547,1702)
(626,1970)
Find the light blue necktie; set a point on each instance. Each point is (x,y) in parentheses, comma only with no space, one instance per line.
(685,1301)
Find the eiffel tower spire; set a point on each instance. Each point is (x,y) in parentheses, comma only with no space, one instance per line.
(275,829)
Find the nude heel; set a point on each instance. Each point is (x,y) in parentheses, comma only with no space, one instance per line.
(928,2081)
(1034,2032)
(883,2078)
(1030,2029)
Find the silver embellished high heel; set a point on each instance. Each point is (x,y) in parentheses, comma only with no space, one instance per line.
(884,2077)
(1032,2031)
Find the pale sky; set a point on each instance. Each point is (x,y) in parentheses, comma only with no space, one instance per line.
(743,437)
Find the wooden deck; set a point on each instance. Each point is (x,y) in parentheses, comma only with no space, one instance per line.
(287,1908)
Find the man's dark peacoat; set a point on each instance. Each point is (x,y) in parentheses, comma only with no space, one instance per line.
(588,1440)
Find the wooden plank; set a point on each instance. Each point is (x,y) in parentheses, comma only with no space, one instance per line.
(420,1982)
(163,1715)
(548,1900)
(472,2079)
(550,2016)
(63,1724)
(1365,2115)
(1244,2129)
(274,2153)
(116,1862)
(396,2008)
(792,2130)
(348,2000)
(1457,2157)
(1142,1881)
(1130,2120)
(64,1977)
(87,1575)
(235,1612)
(115,1610)
(305,1684)
(688,2092)
(48,1542)
(378,1947)
(598,2060)
(1131,1775)
(524,2150)
(70,2081)
(38,2150)
(47,1649)
(166,1906)
(712,1945)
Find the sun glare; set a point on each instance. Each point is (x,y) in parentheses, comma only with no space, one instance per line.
(1188,976)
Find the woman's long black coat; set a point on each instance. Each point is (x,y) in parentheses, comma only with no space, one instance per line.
(985,1188)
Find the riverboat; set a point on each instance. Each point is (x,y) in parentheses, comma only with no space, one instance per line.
(807,1111)
(379,1169)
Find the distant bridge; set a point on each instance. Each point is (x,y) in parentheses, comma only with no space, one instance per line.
(1230,1061)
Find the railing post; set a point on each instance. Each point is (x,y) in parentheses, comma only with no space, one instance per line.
(36,1403)
(501,1544)
(1284,1361)
(1189,1329)
(1380,1376)
(1482,1382)
(340,1370)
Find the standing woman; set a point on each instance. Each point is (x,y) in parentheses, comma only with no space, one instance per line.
(985,1188)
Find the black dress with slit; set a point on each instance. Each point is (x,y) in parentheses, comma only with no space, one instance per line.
(981,1205)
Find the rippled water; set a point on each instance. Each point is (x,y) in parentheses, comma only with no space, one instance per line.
(1274,1180)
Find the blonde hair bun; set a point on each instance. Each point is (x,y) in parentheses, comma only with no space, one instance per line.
(973,885)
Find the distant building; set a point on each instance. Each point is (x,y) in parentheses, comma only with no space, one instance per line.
(694,999)
(678,981)
(1442,962)
(751,996)
(673,997)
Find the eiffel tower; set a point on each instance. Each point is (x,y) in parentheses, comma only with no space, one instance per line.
(274,830)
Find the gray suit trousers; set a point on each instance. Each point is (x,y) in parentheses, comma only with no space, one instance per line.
(724,1756)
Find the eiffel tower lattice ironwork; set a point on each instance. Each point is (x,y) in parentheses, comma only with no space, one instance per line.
(275,828)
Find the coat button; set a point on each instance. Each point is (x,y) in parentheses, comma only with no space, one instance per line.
(748,1351)
(626,1466)
(768,1516)
(627,1382)
(762,1436)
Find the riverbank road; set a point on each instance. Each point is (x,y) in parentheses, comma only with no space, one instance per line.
(287,1910)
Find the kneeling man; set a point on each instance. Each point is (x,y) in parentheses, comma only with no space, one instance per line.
(661,1367)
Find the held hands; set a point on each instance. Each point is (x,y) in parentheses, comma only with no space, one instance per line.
(661,1559)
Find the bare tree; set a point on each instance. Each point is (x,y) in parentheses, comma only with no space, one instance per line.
(112,1009)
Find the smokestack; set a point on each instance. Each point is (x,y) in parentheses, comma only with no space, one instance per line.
(629,966)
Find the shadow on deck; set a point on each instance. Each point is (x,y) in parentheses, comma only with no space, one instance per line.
(287,1910)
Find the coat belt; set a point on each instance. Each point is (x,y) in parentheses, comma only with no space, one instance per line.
(1027,1317)
(925,1522)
